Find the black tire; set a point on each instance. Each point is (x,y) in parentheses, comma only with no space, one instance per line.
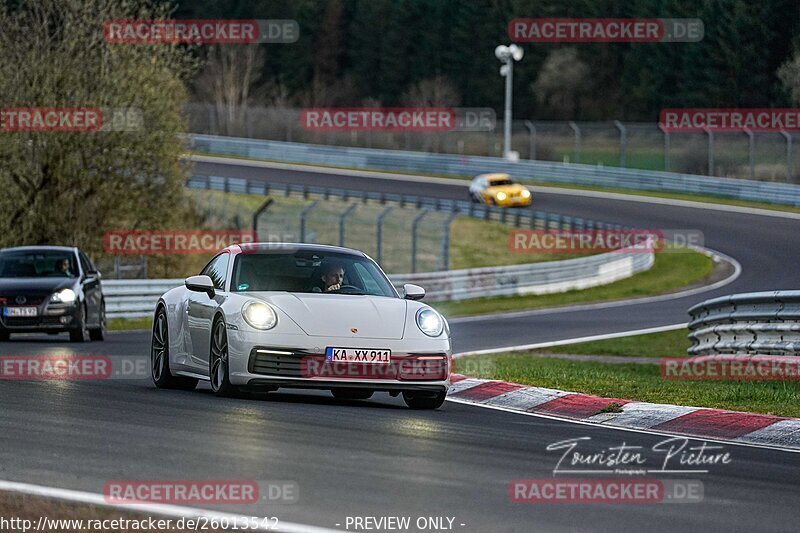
(352,394)
(159,357)
(416,400)
(99,334)
(218,362)
(79,333)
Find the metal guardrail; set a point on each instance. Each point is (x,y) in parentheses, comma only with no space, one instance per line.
(463,165)
(756,323)
(137,298)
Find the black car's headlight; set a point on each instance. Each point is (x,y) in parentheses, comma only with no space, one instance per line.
(430,322)
(259,315)
(64,296)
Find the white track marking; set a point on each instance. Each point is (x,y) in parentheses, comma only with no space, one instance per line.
(174,511)
(563,342)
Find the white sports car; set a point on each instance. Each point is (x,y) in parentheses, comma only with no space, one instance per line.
(266,316)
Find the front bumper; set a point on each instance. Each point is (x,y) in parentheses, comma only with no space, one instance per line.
(298,361)
(514,201)
(50,317)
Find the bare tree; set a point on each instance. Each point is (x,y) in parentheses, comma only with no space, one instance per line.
(229,81)
(562,81)
(432,92)
(789,74)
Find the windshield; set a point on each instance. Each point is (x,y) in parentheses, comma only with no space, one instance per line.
(497,183)
(310,271)
(38,264)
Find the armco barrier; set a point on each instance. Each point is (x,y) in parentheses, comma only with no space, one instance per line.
(137,298)
(756,323)
(462,165)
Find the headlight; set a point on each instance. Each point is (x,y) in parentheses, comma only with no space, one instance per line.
(526,193)
(501,196)
(259,315)
(64,296)
(429,322)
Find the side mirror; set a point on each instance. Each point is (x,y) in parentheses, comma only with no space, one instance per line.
(413,292)
(94,274)
(200,284)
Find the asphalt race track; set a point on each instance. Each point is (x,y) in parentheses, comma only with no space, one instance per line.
(376,458)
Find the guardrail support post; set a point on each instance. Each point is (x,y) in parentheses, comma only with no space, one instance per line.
(303,215)
(531,139)
(342,218)
(379,233)
(445,265)
(789,165)
(710,152)
(258,213)
(577,131)
(751,144)
(414,225)
(623,141)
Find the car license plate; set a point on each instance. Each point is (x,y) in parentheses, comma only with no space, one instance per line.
(20,311)
(358,355)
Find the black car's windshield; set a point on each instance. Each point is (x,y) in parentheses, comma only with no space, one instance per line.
(309,271)
(38,264)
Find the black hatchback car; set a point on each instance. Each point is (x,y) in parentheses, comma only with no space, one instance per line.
(50,289)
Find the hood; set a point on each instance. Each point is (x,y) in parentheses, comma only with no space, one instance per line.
(508,189)
(334,315)
(34,286)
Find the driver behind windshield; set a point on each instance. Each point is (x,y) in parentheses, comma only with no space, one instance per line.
(62,267)
(331,277)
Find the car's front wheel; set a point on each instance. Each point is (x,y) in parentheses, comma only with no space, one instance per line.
(159,358)
(352,394)
(218,370)
(419,400)
(79,333)
(99,333)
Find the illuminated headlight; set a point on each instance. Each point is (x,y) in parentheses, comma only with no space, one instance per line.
(501,196)
(64,296)
(259,315)
(429,322)
(526,193)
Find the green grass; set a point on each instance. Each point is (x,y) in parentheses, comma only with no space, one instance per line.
(701,198)
(638,382)
(671,271)
(120,324)
(473,243)
(664,344)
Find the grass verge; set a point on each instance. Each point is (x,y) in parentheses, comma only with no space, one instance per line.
(121,324)
(664,344)
(638,382)
(670,272)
